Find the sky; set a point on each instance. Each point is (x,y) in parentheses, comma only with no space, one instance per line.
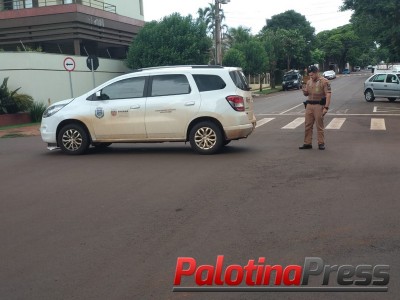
(322,14)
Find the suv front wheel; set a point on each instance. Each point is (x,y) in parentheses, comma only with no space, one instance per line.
(206,138)
(73,139)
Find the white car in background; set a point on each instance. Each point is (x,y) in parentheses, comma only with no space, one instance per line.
(329,74)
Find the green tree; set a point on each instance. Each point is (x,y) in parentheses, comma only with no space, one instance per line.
(238,35)
(234,58)
(378,21)
(12,102)
(291,20)
(272,50)
(342,45)
(293,46)
(174,40)
(318,56)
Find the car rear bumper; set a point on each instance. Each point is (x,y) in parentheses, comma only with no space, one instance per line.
(239,132)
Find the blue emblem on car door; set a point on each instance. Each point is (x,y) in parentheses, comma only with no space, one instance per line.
(99,113)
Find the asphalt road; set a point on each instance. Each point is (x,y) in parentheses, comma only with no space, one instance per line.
(111,224)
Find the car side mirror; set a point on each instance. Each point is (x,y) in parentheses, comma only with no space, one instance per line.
(98,94)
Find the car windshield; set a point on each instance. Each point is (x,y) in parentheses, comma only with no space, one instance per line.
(289,77)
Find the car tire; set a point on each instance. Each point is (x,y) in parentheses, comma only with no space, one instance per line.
(369,95)
(101,145)
(391,99)
(226,142)
(73,139)
(206,138)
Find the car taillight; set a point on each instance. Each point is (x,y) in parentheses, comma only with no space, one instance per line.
(236,102)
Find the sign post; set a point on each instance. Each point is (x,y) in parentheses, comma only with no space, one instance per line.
(69,65)
(92,63)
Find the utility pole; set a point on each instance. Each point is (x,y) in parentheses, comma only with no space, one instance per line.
(217,34)
(218,52)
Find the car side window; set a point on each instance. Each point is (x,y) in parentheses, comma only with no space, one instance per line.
(124,89)
(167,85)
(209,82)
(391,78)
(240,80)
(380,78)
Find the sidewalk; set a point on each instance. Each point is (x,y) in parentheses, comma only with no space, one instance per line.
(20,131)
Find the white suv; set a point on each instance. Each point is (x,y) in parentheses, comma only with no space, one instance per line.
(206,105)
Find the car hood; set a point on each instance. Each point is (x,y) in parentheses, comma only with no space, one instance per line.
(66,101)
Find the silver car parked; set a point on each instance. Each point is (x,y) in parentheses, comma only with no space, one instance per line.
(382,85)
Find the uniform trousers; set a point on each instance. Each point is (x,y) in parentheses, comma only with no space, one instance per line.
(314,114)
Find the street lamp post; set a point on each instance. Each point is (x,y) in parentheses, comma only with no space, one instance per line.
(218,56)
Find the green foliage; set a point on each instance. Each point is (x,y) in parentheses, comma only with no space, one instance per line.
(317,56)
(378,21)
(294,33)
(175,40)
(292,44)
(291,20)
(342,45)
(12,102)
(234,58)
(36,111)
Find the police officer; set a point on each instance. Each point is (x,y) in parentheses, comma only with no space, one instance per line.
(317,88)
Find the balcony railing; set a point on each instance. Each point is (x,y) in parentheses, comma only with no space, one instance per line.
(23,4)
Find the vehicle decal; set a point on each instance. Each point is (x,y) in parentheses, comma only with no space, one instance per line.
(99,113)
(113,112)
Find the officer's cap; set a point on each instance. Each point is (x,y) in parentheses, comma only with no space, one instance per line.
(312,69)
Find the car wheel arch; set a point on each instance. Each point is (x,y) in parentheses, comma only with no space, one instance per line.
(203,119)
(371,96)
(73,121)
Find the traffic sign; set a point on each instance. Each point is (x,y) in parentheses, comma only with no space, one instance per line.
(69,64)
(92,62)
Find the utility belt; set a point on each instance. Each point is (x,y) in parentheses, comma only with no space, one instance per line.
(312,102)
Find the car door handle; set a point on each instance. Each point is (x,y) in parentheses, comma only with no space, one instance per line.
(190,103)
(135,106)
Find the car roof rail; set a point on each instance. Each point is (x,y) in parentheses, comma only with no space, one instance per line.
(180,66)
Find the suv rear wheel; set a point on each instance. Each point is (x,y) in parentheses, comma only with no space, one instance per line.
(206,138)
(369,95)
(73,139)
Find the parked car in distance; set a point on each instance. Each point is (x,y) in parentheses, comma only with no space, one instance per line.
(208,106)
(346,71)
(369,67)
(357,68)
(329,74)
(292,80)
(382,85)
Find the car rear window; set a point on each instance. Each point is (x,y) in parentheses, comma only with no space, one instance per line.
(240,80)
(290,77)
(209,82)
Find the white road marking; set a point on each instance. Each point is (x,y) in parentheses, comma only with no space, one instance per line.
(301,104)
(294,124)
(263,121)
(378,124)
(336,123)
